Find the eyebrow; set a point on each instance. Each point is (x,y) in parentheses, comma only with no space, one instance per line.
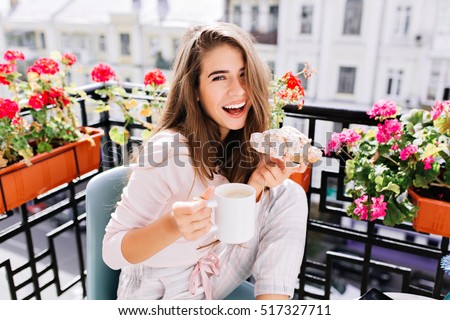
(223,71)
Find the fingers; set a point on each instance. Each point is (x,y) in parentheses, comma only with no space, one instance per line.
(301,167)
(208,193)
(193,218)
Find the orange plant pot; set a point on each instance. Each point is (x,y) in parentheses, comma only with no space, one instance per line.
(303,179)
(20,183)
(433,215)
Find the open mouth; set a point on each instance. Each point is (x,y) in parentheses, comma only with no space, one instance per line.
(235,109)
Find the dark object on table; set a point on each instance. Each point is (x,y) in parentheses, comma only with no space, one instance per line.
(374,294)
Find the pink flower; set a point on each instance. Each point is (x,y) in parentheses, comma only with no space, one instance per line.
(68,59)
(13,55)
(361,210)
(440,107)
(102,73)
(408,151)
(155,77)
(394,147)
(18,122)
(8,108)
(334,144)
(349,136)
(346,137)
(383,109)
(427,162)
(44,66)
(307,71)
(378,208)
(388,130)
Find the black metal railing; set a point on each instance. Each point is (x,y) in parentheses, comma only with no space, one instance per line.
(341,254)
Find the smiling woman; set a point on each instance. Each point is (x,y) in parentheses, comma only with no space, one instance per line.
(162,235)
(222,88)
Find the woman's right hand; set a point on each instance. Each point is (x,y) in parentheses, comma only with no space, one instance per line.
(193,218)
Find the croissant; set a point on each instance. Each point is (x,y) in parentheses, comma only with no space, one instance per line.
(286,141)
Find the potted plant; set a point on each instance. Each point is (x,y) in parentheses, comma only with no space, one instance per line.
(42,145)
(404,157)
(133,111)
(288,90)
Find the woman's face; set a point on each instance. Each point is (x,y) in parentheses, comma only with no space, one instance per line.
(222,91)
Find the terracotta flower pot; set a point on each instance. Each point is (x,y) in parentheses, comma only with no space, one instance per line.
(20,183)
(433,215)
(303,179)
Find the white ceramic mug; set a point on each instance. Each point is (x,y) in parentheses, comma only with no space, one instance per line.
(235,212)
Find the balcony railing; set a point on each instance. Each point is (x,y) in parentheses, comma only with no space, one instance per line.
(343,257)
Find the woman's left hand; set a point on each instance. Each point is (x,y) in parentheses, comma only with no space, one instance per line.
(272,172)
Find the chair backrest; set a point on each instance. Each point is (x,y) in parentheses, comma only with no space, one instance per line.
(102,193)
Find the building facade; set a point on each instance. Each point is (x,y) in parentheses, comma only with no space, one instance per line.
(364,50)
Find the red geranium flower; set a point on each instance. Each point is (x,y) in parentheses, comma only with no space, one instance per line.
(44,66)
(68,59)
(8,108)
(39,100)
(155,77)
(292,81)
(102,73)
(6,68)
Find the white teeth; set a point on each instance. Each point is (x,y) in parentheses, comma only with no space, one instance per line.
(235,106)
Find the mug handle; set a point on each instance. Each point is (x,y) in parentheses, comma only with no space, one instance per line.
(212,204)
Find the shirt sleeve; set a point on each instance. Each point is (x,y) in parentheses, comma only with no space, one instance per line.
(162,172)
(282,244)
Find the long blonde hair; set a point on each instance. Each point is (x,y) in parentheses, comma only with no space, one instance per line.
(183,113)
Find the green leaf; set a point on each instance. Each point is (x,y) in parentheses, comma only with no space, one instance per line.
(349,169)
(102,108)
(119,135)
(447,175)
(442,124)
(391,187)
(145,134)
(44,147)
(431,150)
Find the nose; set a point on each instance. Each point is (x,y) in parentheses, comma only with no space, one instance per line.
(236,88)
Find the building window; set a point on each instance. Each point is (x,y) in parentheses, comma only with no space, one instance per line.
(102,43)
(125,44)
(432,91)
(306,19)
(255,16)
(402,21)
(155,46)
(300,67)
(273,18)
(271,65)
(42,36)
(394,82)
(175,44)
(21,39)
(347,77)
(237,15)
(353,15)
